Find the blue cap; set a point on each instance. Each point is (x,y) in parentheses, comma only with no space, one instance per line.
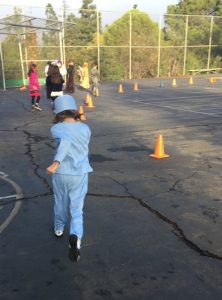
(64,102)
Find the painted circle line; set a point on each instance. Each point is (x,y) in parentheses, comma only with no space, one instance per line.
(19,195)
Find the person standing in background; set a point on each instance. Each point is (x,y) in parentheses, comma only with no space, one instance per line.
(79,73)
(94,79)
(85,77)
(70,84)
(62,69)
(34,87)
(55,83)
(48,82)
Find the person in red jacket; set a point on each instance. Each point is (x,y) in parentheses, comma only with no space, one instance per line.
(34,87)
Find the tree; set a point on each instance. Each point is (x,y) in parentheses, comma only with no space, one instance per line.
(83,33)
(50,38)
(10,48)
(144,33)
(198,30)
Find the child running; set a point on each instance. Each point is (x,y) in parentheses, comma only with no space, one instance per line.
(70,170)
(34,87)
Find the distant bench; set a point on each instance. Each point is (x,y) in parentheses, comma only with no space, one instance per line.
(199,71)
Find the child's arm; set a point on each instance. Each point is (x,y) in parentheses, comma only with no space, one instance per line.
(61,153)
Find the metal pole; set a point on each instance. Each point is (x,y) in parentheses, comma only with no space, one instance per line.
(63,45)
(185,46)
(60,44)
(98,42)
(159,47)
(21,60)
(2,63)
(26,55)
(130,46)
(26,51)
(63,33)
(210,42)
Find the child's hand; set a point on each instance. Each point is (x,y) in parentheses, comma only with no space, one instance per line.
(52,168)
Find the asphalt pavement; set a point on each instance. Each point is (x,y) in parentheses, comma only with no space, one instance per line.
(152,226)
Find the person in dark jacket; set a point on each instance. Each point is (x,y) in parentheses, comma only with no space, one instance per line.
(48,82)
(70,84)
(55,83)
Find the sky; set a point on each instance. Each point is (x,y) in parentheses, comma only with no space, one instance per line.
(153,7)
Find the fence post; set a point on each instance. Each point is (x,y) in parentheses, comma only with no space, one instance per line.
(185,46)
(210,43)
(159,47)
(2,66)
(63,58)
(130,46)
(21,60)
(60,44)
(98,41)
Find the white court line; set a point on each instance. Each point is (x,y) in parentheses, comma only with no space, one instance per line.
(207,97)
(173,108)
(15,209)
(7,197)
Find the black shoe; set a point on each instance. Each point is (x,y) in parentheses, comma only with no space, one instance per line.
(74,252)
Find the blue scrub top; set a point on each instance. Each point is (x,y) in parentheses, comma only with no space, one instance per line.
(72,141)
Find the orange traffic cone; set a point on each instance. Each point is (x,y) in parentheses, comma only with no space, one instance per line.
(159,149)
(23,88)
(81,112)
(120,88)
(86,102)
(135,87)
(90,104)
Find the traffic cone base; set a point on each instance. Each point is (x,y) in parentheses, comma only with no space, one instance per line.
(159,156)
(159,149)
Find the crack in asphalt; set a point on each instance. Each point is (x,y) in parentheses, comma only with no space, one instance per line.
(176,230)
(28,145)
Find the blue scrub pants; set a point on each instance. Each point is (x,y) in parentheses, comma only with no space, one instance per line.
(69,191)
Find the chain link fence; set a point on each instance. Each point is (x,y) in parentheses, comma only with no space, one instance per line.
(129,46)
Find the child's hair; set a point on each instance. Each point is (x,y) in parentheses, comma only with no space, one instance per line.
(60,117)
(55,75)
(32,68)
